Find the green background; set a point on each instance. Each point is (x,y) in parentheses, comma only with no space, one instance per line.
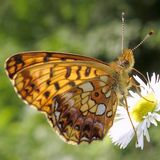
(86,27)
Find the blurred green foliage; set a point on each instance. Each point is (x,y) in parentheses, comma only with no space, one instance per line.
(87,27)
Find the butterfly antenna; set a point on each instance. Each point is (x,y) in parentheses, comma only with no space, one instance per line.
(144,39)
(122,40)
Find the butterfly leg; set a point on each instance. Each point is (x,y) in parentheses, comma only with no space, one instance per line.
(137,87)
(126,106)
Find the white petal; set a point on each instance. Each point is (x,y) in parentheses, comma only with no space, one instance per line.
(140,143)
(152,120)
(153,79)
(157,108)
(157,116)
(148,123)
(147,135)
(157,80)
(139,81)
(134,95)
(119,135)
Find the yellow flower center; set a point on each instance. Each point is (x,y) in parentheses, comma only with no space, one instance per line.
(143,106)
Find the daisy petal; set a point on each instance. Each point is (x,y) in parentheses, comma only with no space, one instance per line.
(157,116)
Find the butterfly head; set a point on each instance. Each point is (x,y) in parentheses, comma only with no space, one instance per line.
(126,59)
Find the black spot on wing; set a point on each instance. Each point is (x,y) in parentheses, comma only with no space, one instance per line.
(46,94)
(68,72)
(18,59)
(87,71)
(56,84)
(78,72)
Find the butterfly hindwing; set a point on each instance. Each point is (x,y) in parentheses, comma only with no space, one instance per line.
(86,111)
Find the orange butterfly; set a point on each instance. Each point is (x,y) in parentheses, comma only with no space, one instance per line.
(78,94)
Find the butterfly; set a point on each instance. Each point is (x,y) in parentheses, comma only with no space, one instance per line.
(78,94)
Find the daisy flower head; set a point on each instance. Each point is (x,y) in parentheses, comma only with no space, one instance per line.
(144,110)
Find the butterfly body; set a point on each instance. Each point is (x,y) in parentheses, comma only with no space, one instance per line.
(122,68)
(79,94)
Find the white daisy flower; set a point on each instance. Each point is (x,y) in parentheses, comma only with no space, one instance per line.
(144,110)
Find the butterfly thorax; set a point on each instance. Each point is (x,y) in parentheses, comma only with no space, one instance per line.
(122,67)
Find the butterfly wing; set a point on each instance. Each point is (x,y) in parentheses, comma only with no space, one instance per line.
(86,111)
(39,76)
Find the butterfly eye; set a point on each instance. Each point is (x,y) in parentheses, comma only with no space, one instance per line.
(125,63)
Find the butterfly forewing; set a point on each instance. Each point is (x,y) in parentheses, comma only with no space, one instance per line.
(40,76)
